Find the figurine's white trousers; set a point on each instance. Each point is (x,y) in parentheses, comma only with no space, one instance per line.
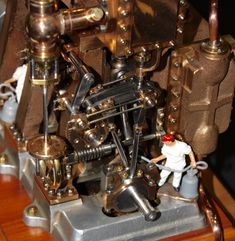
(177,176)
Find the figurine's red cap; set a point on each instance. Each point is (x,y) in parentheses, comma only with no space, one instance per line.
(168,137)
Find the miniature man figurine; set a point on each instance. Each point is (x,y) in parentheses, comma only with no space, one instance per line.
(174,152)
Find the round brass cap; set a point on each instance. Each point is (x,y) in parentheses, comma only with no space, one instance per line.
(54,148)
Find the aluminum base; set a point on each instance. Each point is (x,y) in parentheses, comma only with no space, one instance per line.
(9,162)
(85,220)
(10,166)
(27,172)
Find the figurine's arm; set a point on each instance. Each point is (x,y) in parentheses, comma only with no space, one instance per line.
(192,159)
(157,159)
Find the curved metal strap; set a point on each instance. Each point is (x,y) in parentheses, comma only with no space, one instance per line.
(211,215)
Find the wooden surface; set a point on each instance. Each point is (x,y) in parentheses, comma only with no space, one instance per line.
(220,194)
(13,199)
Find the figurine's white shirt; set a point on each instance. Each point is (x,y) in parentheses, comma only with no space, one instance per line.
(175,155)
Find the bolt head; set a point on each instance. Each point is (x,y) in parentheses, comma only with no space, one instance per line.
(3,158)
(125,175)
(139,173)
(151,182)
(70,190)
(33,211)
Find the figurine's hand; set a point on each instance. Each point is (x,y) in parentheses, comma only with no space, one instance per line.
(192,159)
(157,159)
(154,160)
(193,164)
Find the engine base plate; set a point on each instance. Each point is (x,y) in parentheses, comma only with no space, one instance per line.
(84,220)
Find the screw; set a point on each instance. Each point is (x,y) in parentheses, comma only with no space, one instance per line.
(177,64)
(172,120)
(45,185)
(124,13)
(175,93)
(125,175)
(109,168)
(174,77)
(174,107)
(15,133)
(70,190)
(3,158)
(151,182)
(51,191)
(76,141)
(12,127)
(59,194)
(123,41)
(180,30)
(157,45)
(171,43)
(19,138)
(129,52)
(33,211)
(161,115)
(103,28)
(119,168)
(110,188)
(139,173)
(181,17)
(123,27)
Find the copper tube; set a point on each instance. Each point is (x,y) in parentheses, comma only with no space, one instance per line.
(211,215)
(213,21)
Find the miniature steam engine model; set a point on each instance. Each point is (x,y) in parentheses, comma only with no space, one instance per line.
(103,82)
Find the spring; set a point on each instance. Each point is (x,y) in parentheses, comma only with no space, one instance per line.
(94,153)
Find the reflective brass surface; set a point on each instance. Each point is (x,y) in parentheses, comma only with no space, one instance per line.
(54,148)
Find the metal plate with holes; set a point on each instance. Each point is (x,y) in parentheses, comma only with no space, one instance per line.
(84,220)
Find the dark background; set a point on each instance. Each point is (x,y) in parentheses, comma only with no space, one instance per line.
(226,14)
(222,161)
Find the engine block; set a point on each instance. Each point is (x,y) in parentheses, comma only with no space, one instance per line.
(105,81)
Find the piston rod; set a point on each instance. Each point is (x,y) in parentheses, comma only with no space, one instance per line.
(145,207)
(45,113)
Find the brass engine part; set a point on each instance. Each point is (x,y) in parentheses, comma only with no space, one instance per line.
(54,148)
(200,94)
(52,174)
(43,42)
(75,19)
(53,197)
(117,196)
(126,32)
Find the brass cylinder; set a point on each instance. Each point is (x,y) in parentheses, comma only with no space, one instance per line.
(42,29)
(43,34)
(75,19)
(44,26)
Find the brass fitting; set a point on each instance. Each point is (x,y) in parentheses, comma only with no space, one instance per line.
(75,19)
(43,42)
(214,47)
(44,26)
